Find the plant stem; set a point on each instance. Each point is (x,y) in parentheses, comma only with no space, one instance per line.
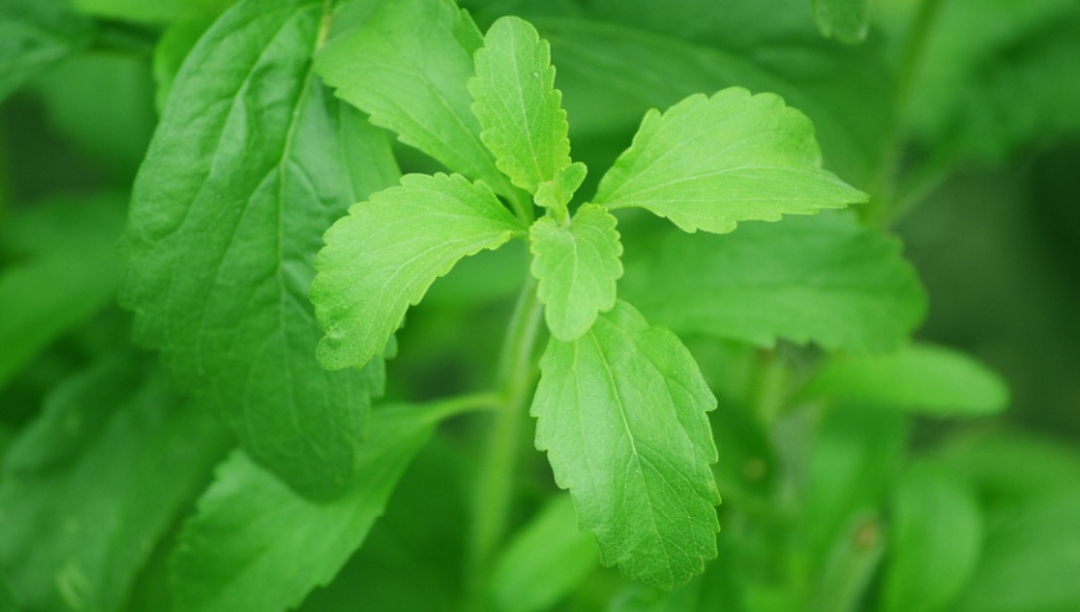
(494,496)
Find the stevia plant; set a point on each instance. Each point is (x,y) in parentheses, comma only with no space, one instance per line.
(678,312)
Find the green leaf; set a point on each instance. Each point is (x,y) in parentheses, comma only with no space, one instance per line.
(544,562)
(159,11)
(254,544)
(823,279)
(34,35)
(68,249)
(708,163)
(518,106)
(621,413)
(242,178)
(383,256)
(407,65)
(922,378)
(846,20)
(90,486)
(1030,560)
(935,539)
(577,264)
(173,47)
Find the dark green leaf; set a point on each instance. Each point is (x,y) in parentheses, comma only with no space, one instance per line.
(383,256)
(255,545)
(34,35)
(407,64)
(158,11)
(846,20)
(251,163)
(621,413)
(823,279)
(89,488)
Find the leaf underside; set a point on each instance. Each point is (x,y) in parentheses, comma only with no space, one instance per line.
(621,413)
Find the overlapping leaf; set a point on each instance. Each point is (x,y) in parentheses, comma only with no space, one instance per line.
(407,64)
(518,106)
(823,279)
(252,161)
(708,163)
(577,264)
(383,256)
(254,544)
(621,413)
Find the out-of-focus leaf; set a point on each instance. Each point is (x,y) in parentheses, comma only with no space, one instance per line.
(823,279)
(256,545)
(34,35)
(158,11)
(846,20)
(545,561)
(935,538)
(89,488)
(920,378)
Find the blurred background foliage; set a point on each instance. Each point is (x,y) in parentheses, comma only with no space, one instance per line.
(960,117)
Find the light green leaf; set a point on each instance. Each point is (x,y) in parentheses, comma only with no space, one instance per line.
(255,545)
(68,249)
(407,64)
(172,48)
(383,256)
(621,413)
(34,35)
(846,20)
(244,175)
(935,539)
(708,163)
(822,278)
(518,106)
(544,562)
(922,378)
(577,264)
(90,486)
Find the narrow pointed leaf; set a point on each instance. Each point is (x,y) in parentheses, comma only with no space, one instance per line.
(254,544)
(708,163)
(89,488)
(621,413)
(243,176)
(577,265)
(846,20)
(407,64)
(823,279)
(383,256)
(518,106)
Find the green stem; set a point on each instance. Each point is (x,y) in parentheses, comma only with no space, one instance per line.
(495,493)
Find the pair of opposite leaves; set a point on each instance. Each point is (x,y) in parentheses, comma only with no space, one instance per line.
(621,405)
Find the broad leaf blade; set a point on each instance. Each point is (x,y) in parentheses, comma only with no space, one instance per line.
(708,163)
(518,106)
(383,256)
(407,64)
(93,483)
(243,177)
(823,279)
(921,378)
(254,544)
(621,413)
(846,20)
(577,265)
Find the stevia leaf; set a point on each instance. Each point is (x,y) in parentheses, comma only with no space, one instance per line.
(90,486)
(846,20)
(936,537)
(708,163)
(34,35)
(159,11)
(68,247)
(823,279)
(254,544)
(921,378)
(621,413)
(407,64)
(518,106)
(383,256)
(544,562)
(243,176)
(577,264)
